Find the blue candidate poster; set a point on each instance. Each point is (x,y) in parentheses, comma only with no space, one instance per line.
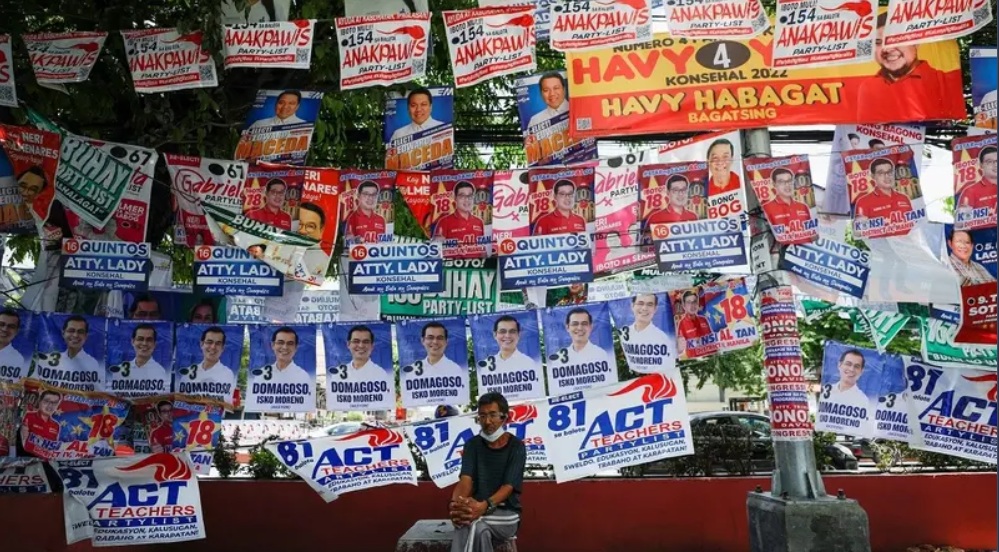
(891,414)
(983,86)
(282,376)
(647,332)
(139,358)
(279,126)
(508,354)
(18,334)
(207,361)
(359,372)
(830,264)
(433,361)
(579,347)
(852,380)
(543,106)
(71,351)
(419,132)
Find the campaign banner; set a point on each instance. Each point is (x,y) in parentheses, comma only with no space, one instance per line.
(831,264)
(8,92)
(914,22)
(511,209)
(700,245)
(365,459)
(728,305)
(278,44)
(318,307)
(617,237)
(207,361)
(132,500)
(359,372)
(852,378)
(366,201)
(71,351)
(486,43)
(579,25)
(198,181)
(939,347)
(972,256)
(722,151)
(891,412)
(694,336)
(15,214)
(11,395)
(885,196)
(18,335)
(197,423)
(89,181)
(507,350)
(783,186)
(726,85)
(984,80)
(633,422)
(579,344)
(462,216)
(808,37)
(139,358)
(883,327)
(382,49)
(282,373)
(163,60)
(105,265)
(279,126)
(232,271)
(953,411)
(543,108)
(418,129)
(542,14)
(433,361)
(975,184)
(836,200)
(59,423)
(34,156)
(671,192)
(377,269)
(545,261)
(645,327)
(716,19)
(441,443)
(523,422)
(787,390)
(60,58)
(23,476)
(470,287)
(560,200)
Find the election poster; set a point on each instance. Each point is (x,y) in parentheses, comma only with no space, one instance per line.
(359,372)
(279,126)
(972,256)
(23,476)
(366,201)
(939,347)
(282,373)
(975,183)
(8,92)
(153,425)
(381,268)
(647,332)
(511,210)
(163,60)
(699,245)
(579,346)
(369,458)
(713,318)
(486,43)
(318,307)
(983,86)
(542,14)
(139,358)
(549,261)
(382,49)
(278,44)
(783,186)
(671,192)
(433,360)
(543,107)
(787,390)
(11,396)
(885,196)
(227,271)
(196,182)
(462,216)
(524,422)
(414,187)
(18,335)
(132,500)
(90,181)
(60,424)
(15,214)
(197,423)
(61,58)
(441,443)
(891,413)
(884,327)
(852,378)
(953,411)
(105,265)
(633,422)
(356,8)
(34,156)
(807,37)
(207,361)
(833,265)
(418,129)
(257,12)
(470,287)
(508,354)
(617,236)
(722,151)
(725,85)
(836,200)
(694,336)
(579,25)
(560,201)
(71,351)
(717,19)
(913,22)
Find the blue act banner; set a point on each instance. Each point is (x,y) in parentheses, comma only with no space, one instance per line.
(433,360)
(508,354)
(282,375)
(359,372)
(139,358)
(579,346)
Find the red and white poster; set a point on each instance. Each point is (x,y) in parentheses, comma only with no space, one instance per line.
(279,44)
(34,155)
(810,35)
(787,389)
(975,183)
(414,186)
(912,22)
(462,215)
(617,233)
(784,188)
(60,58)
(162,60)
(723,153)
(510,205)
(196,181)
(586,25)
(366,199)
(382,49)
(560,201)
(716,18)
(8,93)
(485,43)
(885,195)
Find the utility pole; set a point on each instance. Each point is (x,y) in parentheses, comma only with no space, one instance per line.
(796,515)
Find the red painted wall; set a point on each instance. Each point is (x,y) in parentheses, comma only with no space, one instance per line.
(594,515)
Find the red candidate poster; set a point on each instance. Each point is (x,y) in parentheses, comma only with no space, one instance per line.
(560,201)
(972,257)
(783,186)
(723,153)
(415,189)
(366,204)
(34,154)
(974,182)
(671,192)
(462,215)
(885,197)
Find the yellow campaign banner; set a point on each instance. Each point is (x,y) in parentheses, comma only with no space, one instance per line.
(674,84)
